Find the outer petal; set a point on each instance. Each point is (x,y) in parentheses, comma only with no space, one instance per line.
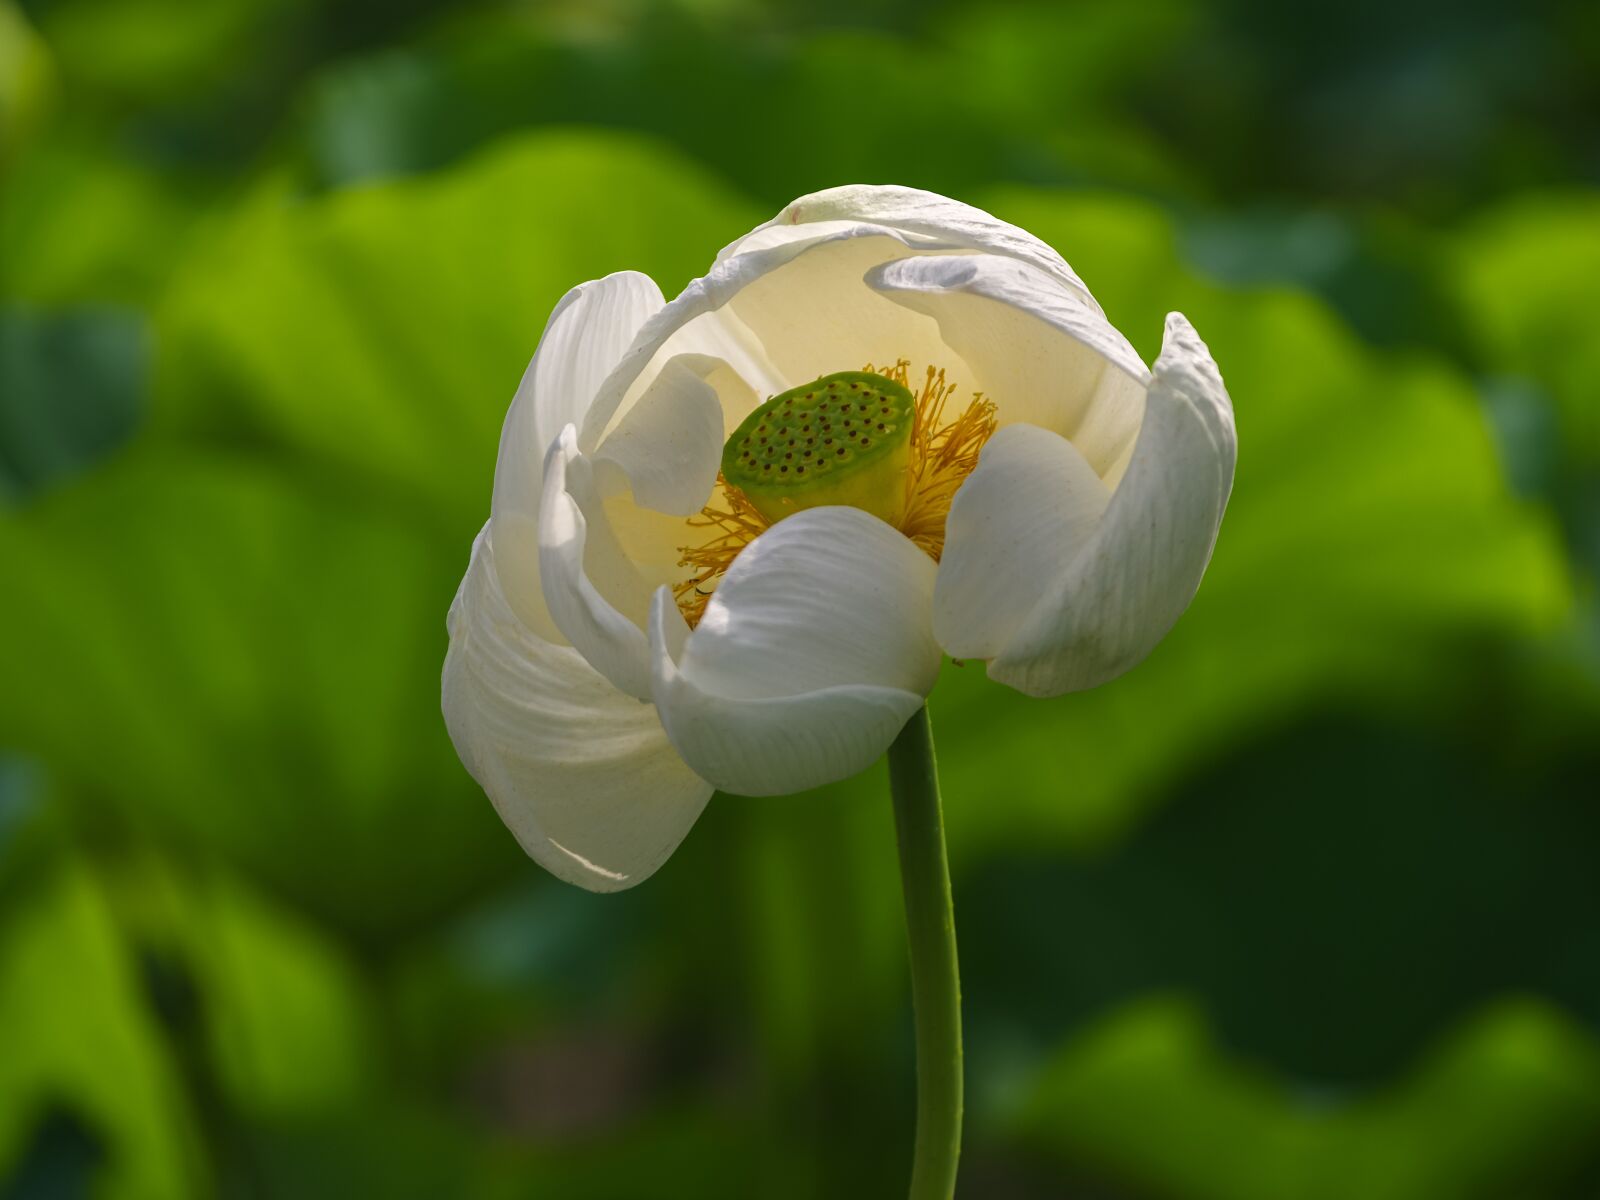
(582,775)
(1032,504)
(915,214)
(586,335)
(1114,600)
(814,651)
(1037,348)
(589,584)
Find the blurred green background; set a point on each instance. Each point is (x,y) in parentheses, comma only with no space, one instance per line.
(1304,908)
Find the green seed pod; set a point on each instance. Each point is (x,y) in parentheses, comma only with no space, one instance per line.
(845,439)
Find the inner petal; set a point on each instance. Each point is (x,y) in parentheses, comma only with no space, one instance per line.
(667,446)
(816,314)
(1048,358)
(780,314)
(1031,505)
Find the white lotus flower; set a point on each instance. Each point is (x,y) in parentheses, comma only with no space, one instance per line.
(656,608)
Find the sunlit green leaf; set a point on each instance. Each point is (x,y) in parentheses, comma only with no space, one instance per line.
(146,1007)
(26,79)
(228,656)
(152,48)
(79,228)
(1146,1097)
(279,1008)
(382,331)
(1529,273)
(79,1040)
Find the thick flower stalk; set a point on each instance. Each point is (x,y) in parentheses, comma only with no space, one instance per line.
(733,535)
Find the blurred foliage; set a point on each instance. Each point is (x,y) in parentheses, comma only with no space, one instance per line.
(1508,1101)
(72,385)
(403,310)
(1302,908)
(1529,276)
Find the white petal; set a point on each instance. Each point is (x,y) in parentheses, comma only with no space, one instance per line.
(1028,509)
(802,307)
(779,233)
(815,649)
(582,775)
(586,335)
(1115,599)
(816,315)
(827,596)
(1035,347)
(722,335)
(594,593)
(916,215)
(811,318)
(669,444)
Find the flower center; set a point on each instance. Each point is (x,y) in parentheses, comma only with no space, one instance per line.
(857,438)
(845,439)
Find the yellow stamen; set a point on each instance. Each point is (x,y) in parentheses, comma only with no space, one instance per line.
(943,453)
(739,523)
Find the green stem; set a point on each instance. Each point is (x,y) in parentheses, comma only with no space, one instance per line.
(935,977)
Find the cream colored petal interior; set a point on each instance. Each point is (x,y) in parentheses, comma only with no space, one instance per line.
(667,447)
(816,315)
(780,316)
(1041,354)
